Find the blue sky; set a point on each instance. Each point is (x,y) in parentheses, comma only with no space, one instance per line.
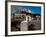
(34,9)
